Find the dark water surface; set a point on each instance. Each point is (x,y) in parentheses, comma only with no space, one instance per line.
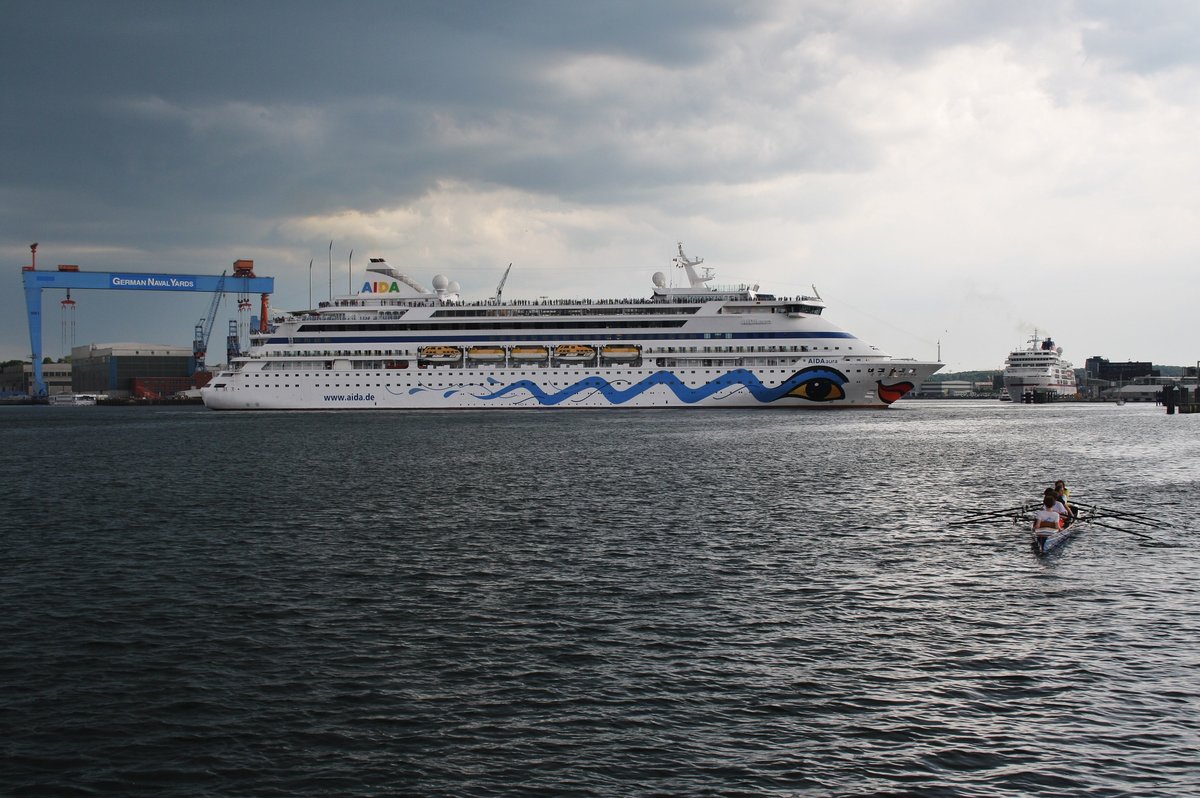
(594,603)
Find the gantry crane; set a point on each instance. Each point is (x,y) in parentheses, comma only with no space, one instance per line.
(35,281)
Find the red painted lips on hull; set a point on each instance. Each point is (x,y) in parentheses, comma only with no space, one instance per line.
(890,393)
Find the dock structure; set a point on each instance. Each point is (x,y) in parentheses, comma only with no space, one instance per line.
(1040,396)
(68,277)
(1179,398)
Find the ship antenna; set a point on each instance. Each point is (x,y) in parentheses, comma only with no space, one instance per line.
(687,264)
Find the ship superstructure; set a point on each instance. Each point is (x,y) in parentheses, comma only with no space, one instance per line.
(1039,367)
(398,345)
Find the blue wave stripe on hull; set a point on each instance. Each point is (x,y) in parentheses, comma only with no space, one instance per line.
(619,396)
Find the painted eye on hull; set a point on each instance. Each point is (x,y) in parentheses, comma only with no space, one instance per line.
(820,385)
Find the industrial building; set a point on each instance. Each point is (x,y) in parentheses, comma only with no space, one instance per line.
(1098,368)
(946,389)
(16,379)
(131,369)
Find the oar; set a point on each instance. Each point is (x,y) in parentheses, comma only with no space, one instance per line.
(984,518)
(1127,520)
(1105,513)
(1130,531)
(1116,513)
(993,513)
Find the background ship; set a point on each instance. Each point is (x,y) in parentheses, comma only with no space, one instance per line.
(1039,367)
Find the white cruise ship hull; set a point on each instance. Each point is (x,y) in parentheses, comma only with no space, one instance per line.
(396,346)
(1019,386)
(812,384)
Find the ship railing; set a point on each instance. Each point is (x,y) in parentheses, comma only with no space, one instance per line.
(718,294)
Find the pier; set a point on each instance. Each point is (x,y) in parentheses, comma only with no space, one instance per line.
(1180,398)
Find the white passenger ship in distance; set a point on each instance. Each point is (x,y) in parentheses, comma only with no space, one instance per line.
(1038,367)
(398,345)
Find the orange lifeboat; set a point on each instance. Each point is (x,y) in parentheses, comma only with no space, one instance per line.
(574,352)
(529,353)
(621,352)
(440,354)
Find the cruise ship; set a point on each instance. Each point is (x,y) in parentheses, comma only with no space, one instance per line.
(398,345)
(1036,368)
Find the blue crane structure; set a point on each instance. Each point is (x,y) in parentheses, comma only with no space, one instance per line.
(204,328)
(70,277)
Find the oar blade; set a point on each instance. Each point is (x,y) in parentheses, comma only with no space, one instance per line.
(1122,529)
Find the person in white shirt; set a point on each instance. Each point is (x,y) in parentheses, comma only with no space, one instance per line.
(1047,518)
(1058,506)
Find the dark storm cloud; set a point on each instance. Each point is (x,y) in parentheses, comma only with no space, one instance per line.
(174,112)
(173,136)
(178,120)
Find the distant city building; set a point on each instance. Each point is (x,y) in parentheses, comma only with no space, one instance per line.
(16,379)
(122,369)
(1143,389)
(1099,368)
(947,388)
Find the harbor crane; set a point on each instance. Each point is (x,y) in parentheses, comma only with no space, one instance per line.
(205,327)
(68,277)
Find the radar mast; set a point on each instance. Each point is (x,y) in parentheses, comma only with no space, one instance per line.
(689,264)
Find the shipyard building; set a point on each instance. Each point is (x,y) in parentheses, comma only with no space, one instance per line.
(131,369)
(16,379)
(122,370)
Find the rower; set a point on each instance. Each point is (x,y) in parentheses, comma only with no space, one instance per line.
(1048,517)
(1060,490)
(1059,507)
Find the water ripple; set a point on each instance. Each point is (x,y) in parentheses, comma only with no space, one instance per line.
(702,603)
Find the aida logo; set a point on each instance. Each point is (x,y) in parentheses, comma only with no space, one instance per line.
(380,288)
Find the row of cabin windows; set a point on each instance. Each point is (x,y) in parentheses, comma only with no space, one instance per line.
(869,370)
(300,338)
(408,353)
(474,320)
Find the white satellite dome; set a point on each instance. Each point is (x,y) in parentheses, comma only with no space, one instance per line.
(454,287)
(660,280)
(440,282)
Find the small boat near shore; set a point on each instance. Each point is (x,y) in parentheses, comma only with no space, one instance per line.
(72,399)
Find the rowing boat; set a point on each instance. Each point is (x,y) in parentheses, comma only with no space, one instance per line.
(1047,540)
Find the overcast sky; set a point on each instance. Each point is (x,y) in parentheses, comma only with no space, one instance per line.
(953,172)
